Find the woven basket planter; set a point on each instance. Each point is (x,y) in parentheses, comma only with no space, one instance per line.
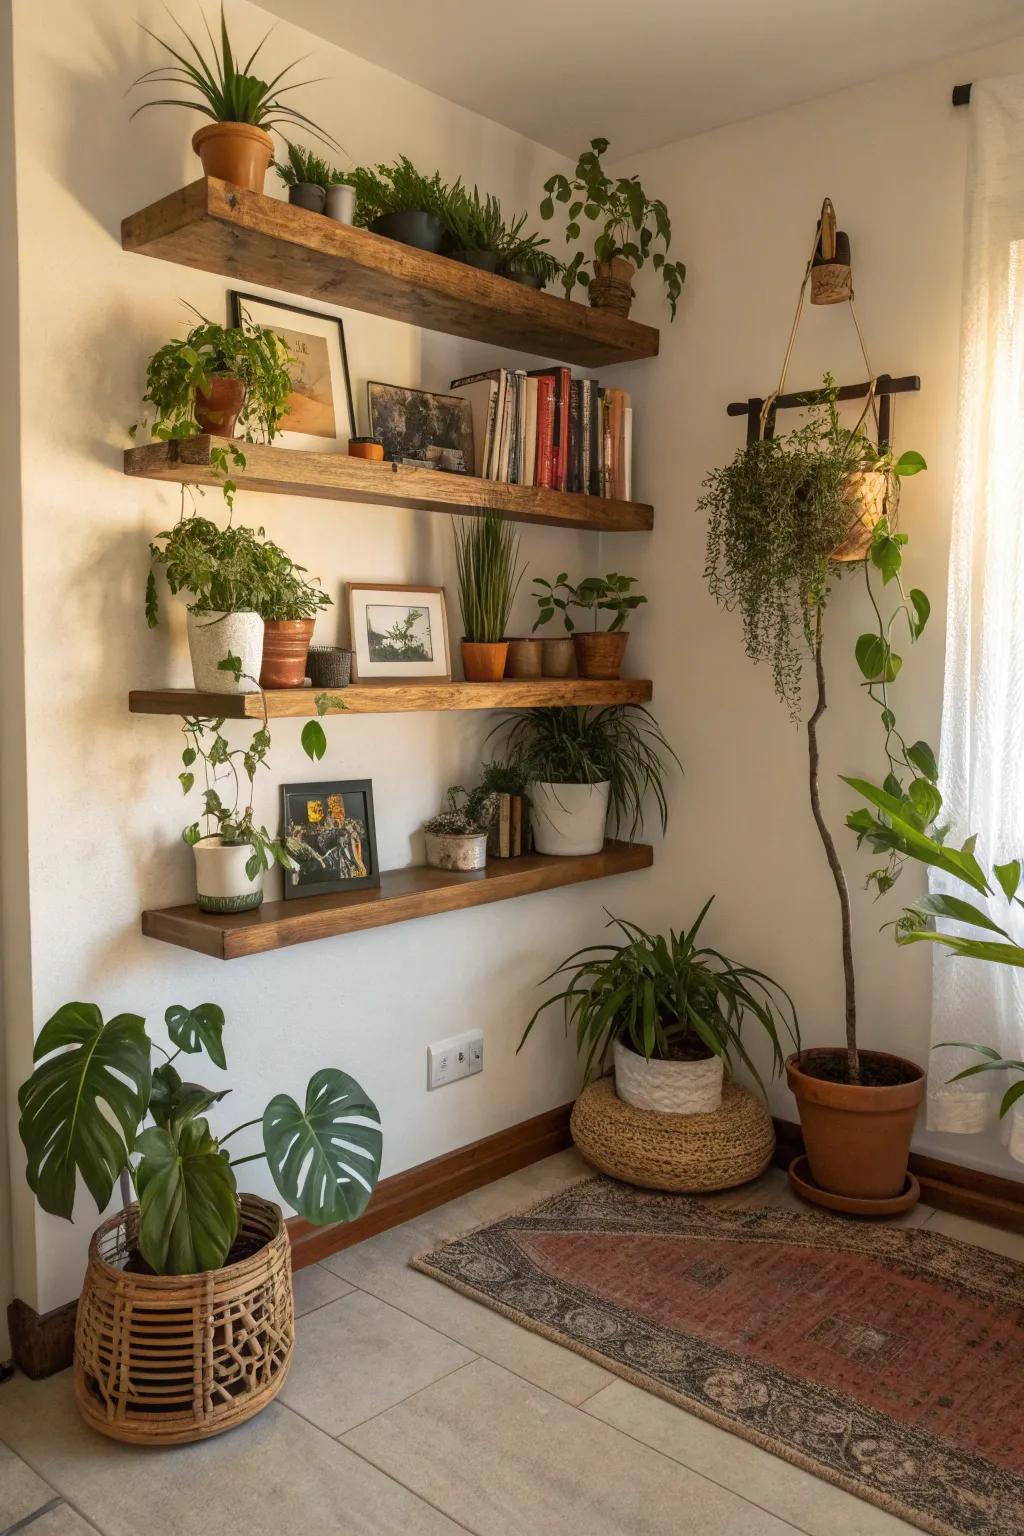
(167,1359)
(690,1153)
(867,493)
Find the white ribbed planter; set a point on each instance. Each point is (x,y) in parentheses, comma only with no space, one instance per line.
(456,850)
(670,1087)
(212,636)
(222,884)
(340,204)
(569,819)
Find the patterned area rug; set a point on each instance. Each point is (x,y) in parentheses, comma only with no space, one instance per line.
(888,1360)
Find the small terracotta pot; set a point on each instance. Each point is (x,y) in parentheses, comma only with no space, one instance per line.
(237,152)
(285,648)
(867,493)
(366,448)
(599,655)
(558,657)
(217,408)
(483,661)
(611,286)
(857,1138)
(524,658)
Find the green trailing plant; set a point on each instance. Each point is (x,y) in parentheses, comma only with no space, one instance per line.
(594,594)
(221,569)
(399,188)
(621,745)
(285,591)
(467,813)
(224,89)
(488,574)
(667,998)
(304,165)
(629,223)
(96,1105)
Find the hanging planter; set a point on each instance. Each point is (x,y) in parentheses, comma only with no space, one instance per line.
(831,273)
(868,494)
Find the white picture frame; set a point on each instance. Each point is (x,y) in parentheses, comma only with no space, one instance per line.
(403,619)
(323,401)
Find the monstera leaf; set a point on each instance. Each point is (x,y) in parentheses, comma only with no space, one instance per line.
(325,1158)
(188,1210)
(171,1099)
(82,1108)
(196,1029)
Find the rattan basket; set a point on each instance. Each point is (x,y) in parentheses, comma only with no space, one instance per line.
(329,666)
(166,1359)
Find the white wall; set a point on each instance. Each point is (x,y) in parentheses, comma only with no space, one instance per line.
(743,201)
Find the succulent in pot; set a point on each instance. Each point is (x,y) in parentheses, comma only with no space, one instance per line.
(397,201)
(456,838)
(488,572)
(598,653)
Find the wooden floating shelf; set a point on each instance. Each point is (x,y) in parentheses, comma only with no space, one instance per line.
(403,894)
(216,227)
(336,477)
(391,698)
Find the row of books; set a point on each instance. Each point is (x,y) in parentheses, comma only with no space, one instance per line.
(547,428)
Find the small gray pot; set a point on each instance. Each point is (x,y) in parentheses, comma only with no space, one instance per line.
(329,666)
(306,194)
(341,203)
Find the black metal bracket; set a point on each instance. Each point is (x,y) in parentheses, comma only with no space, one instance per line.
(885,388)
(961,95)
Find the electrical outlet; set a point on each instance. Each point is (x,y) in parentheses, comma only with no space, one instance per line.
(448,1060)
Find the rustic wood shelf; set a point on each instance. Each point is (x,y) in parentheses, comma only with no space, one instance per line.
(403,894)
(336,477)
(391,698)
(216,227)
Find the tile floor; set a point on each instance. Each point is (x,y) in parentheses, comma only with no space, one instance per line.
(413,1411)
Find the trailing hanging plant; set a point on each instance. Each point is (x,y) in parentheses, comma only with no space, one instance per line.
(486,561)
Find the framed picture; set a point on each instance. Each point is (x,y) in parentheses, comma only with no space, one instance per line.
(321,413)
(333,820)
(398,632)
(415,425)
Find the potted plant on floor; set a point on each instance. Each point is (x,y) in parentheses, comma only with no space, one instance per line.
(288,607)
(780,531)
(581,765)
(236,146)
(488,573)
(457,837)
(185,1325)
(397,201)
(598,653)
(630,224)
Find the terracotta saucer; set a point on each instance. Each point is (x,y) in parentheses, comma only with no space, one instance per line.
(851,1205)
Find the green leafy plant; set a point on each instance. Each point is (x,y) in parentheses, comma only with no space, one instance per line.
(630,222)
(222,88)
(594,594)
(304,165)
(525,254)
(503,779)
(476,224)
(96,1105)
(667,998)
(486,561)
(399,188)
(285,593)
(621,745)
(468,813)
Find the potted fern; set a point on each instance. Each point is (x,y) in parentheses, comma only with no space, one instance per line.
(486,562)
(397,201)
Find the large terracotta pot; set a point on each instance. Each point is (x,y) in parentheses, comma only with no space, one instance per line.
(867,493)
(483,661)
(217,408)
(237,152)
(285,651)
(599,655)
(857,1138)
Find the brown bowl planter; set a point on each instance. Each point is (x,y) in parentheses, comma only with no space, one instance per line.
(611,286)
(285,649)
(857,1137)
(483,661)
(524,658)
(167,1359)
(600,655)
(237,152)
(867,493)
(558,657)
(216,409)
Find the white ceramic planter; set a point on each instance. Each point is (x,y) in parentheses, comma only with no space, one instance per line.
(568,819)
(212,636)
(452,850)
(341,204)
(669,1087)
(222,884)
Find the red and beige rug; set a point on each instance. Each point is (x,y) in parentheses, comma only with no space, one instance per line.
(888,1360)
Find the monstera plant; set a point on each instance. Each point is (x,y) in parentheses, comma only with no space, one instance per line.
(97,1106)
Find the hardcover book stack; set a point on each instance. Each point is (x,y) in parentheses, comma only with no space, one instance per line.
(547,428)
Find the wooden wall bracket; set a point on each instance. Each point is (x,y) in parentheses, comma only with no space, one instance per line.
(885,388)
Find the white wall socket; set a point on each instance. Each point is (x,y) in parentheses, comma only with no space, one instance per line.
(459,1056)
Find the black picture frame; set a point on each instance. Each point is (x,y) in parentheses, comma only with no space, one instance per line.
(236,303)
(311,878)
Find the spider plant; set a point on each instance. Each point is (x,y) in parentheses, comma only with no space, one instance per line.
(486,557)
(667,998)
(620,745)
(225,90)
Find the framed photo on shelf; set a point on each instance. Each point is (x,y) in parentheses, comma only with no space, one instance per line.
(321,414)
(333,820)
(422,428)
(398,632)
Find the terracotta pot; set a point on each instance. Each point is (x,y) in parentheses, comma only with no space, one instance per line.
(600,655)
(366,448)
(857,1138)
(235,152)
(558,657)
(524,658)
(867,493)
(611,286)
(285,648)
(483,661)
(217,408)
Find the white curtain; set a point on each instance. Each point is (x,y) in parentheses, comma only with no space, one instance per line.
(981,757)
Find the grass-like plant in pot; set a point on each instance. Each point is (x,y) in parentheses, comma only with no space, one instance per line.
(315,184)
(787,518)
(585,766)
(236,146)
(456,838)
(598,653)
(191,1283)
(476,230)
(488,573)
(398,201)
(289,606)
(671,1011)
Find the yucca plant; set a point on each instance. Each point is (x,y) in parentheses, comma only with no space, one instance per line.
(304,165)
(668,998)
(486,561)
(225,90)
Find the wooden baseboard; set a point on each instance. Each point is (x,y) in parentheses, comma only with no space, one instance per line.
(43,1344)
